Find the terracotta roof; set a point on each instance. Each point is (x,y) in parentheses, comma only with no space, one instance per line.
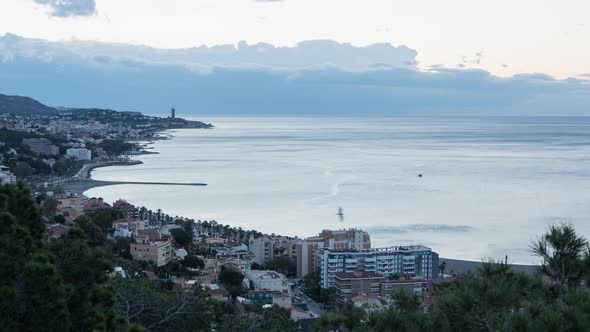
(57,230)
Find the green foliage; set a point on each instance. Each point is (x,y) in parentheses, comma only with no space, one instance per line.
(493,298)
(55,286)
(283,264)
(116,147)
(84,270)
(312,286)
(104,220)
(64,285)
(95,235)
(60,219)
(145,303)
(193,261)
(181,236)
(348,318)
(563,253)
(231,280)
(32,291)
(121,247)
(273,319)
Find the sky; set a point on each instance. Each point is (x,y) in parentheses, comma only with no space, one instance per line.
(454,56)
(504,37)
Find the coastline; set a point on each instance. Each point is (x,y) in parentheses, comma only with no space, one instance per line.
(83,180)
(84,173)
(85,183)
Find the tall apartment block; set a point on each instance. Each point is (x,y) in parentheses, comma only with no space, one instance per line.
(345,239)
(412,261)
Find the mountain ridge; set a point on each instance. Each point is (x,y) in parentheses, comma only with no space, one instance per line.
(24,105)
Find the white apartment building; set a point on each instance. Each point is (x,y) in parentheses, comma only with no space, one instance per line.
(79,153)
(158,251)
(412,261)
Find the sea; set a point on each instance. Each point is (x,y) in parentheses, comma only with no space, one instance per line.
(473,188)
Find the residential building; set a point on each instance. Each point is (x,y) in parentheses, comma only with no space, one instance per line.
(130,224)
(70,201)
(268,280)
(152,249)
(127,209)
(218,292)
(41,146)
(79,154)
(95,204)
(69,213)
(351,284)
(165,229)
(265,248)
(369,303)
(390,287)
(282,300)
(412,261)
(6,176)
(344,239)
(237,263)
(298,314)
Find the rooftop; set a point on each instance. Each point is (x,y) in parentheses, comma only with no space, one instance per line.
(357,275)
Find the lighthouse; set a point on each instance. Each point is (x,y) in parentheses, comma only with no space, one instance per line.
(172,113)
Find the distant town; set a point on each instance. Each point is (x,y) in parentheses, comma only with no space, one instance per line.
(44,146)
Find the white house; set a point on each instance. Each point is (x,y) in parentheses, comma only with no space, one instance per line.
(6,177)
(268,280)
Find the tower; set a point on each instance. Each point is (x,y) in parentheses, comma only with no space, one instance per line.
(172,113)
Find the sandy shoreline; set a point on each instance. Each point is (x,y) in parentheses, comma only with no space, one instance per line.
(81,186)
(84,181)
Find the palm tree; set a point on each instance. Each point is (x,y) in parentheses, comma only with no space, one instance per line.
(563,253)
(442,267)
(142,212)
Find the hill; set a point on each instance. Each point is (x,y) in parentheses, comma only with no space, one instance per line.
(24,106)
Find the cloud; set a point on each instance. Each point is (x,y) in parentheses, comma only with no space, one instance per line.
(311,78)
(67,8)
(584,75)
(437,228)
(306,54)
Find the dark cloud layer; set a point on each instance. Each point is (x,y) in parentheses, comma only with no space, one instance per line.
(66,8)
(314,78)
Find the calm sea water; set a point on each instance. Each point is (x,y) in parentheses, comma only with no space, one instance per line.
(489,185)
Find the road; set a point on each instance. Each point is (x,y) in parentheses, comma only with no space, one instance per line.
(313,307)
